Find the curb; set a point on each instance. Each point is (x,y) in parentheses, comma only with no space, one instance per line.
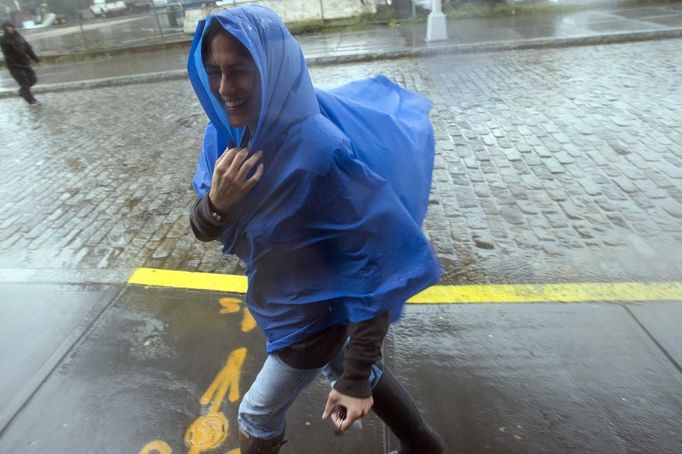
(70,57)
(501,46)
(434,49)
(105,82)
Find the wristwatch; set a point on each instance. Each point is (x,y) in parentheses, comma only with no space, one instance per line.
(216,216)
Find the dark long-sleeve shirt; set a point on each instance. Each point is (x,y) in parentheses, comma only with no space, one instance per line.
(16,50)
(366,338)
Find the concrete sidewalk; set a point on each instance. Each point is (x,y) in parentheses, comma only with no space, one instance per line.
(153,370)
(595,26)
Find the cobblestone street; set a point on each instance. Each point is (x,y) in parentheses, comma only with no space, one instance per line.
(552,165)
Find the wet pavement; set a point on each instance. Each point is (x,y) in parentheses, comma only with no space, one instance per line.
(44,322)
(549,168)
(160,367)
(616,22)
(553,165)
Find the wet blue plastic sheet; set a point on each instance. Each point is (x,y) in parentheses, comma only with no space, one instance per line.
(332,232)
(390,131)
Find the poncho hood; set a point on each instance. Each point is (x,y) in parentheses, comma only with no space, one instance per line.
(287,93)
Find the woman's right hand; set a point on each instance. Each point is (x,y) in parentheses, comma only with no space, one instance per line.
(229,183)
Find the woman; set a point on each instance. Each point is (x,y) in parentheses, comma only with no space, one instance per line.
(328,227)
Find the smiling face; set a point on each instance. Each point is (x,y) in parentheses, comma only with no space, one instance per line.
(234,80)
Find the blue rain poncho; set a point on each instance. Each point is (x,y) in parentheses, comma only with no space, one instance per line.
(332,231)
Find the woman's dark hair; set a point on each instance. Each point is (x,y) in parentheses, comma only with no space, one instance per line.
(215,29)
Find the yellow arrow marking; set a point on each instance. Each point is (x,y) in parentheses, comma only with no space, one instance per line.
(229,305)
(207,432)
(248,322)
(227,379)
(210,431)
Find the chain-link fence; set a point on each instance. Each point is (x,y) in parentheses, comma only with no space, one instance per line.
(110,25)
(160,24)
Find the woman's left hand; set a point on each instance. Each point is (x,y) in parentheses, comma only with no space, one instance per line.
(355,407)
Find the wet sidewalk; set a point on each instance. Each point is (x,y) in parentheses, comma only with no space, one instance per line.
(593,26)
(553,166)
(154,371)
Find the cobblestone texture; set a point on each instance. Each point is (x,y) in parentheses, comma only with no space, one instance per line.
(552,165)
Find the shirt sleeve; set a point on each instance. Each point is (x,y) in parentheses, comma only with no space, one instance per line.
(29,51)
(364,350)
(204,226)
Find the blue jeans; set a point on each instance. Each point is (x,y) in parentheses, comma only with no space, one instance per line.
(263,410)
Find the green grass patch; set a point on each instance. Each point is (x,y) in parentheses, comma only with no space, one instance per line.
(361,22)
(94,54)
(473,10)
(650,2)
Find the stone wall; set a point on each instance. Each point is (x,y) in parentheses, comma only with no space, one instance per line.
(291,10)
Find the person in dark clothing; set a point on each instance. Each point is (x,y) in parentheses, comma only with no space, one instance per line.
(325,217)
(18,54)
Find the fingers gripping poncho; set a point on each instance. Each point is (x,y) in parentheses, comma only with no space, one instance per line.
(332,232)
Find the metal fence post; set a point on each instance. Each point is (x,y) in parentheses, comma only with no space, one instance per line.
(158,23)
(85,40)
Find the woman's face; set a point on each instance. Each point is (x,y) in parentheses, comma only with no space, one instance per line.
(235,81)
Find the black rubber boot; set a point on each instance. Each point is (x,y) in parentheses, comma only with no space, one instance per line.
(25,92)
(253,445)
(395,407)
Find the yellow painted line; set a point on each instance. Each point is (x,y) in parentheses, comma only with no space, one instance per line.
(562,293)
(447,294)
(190,280)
